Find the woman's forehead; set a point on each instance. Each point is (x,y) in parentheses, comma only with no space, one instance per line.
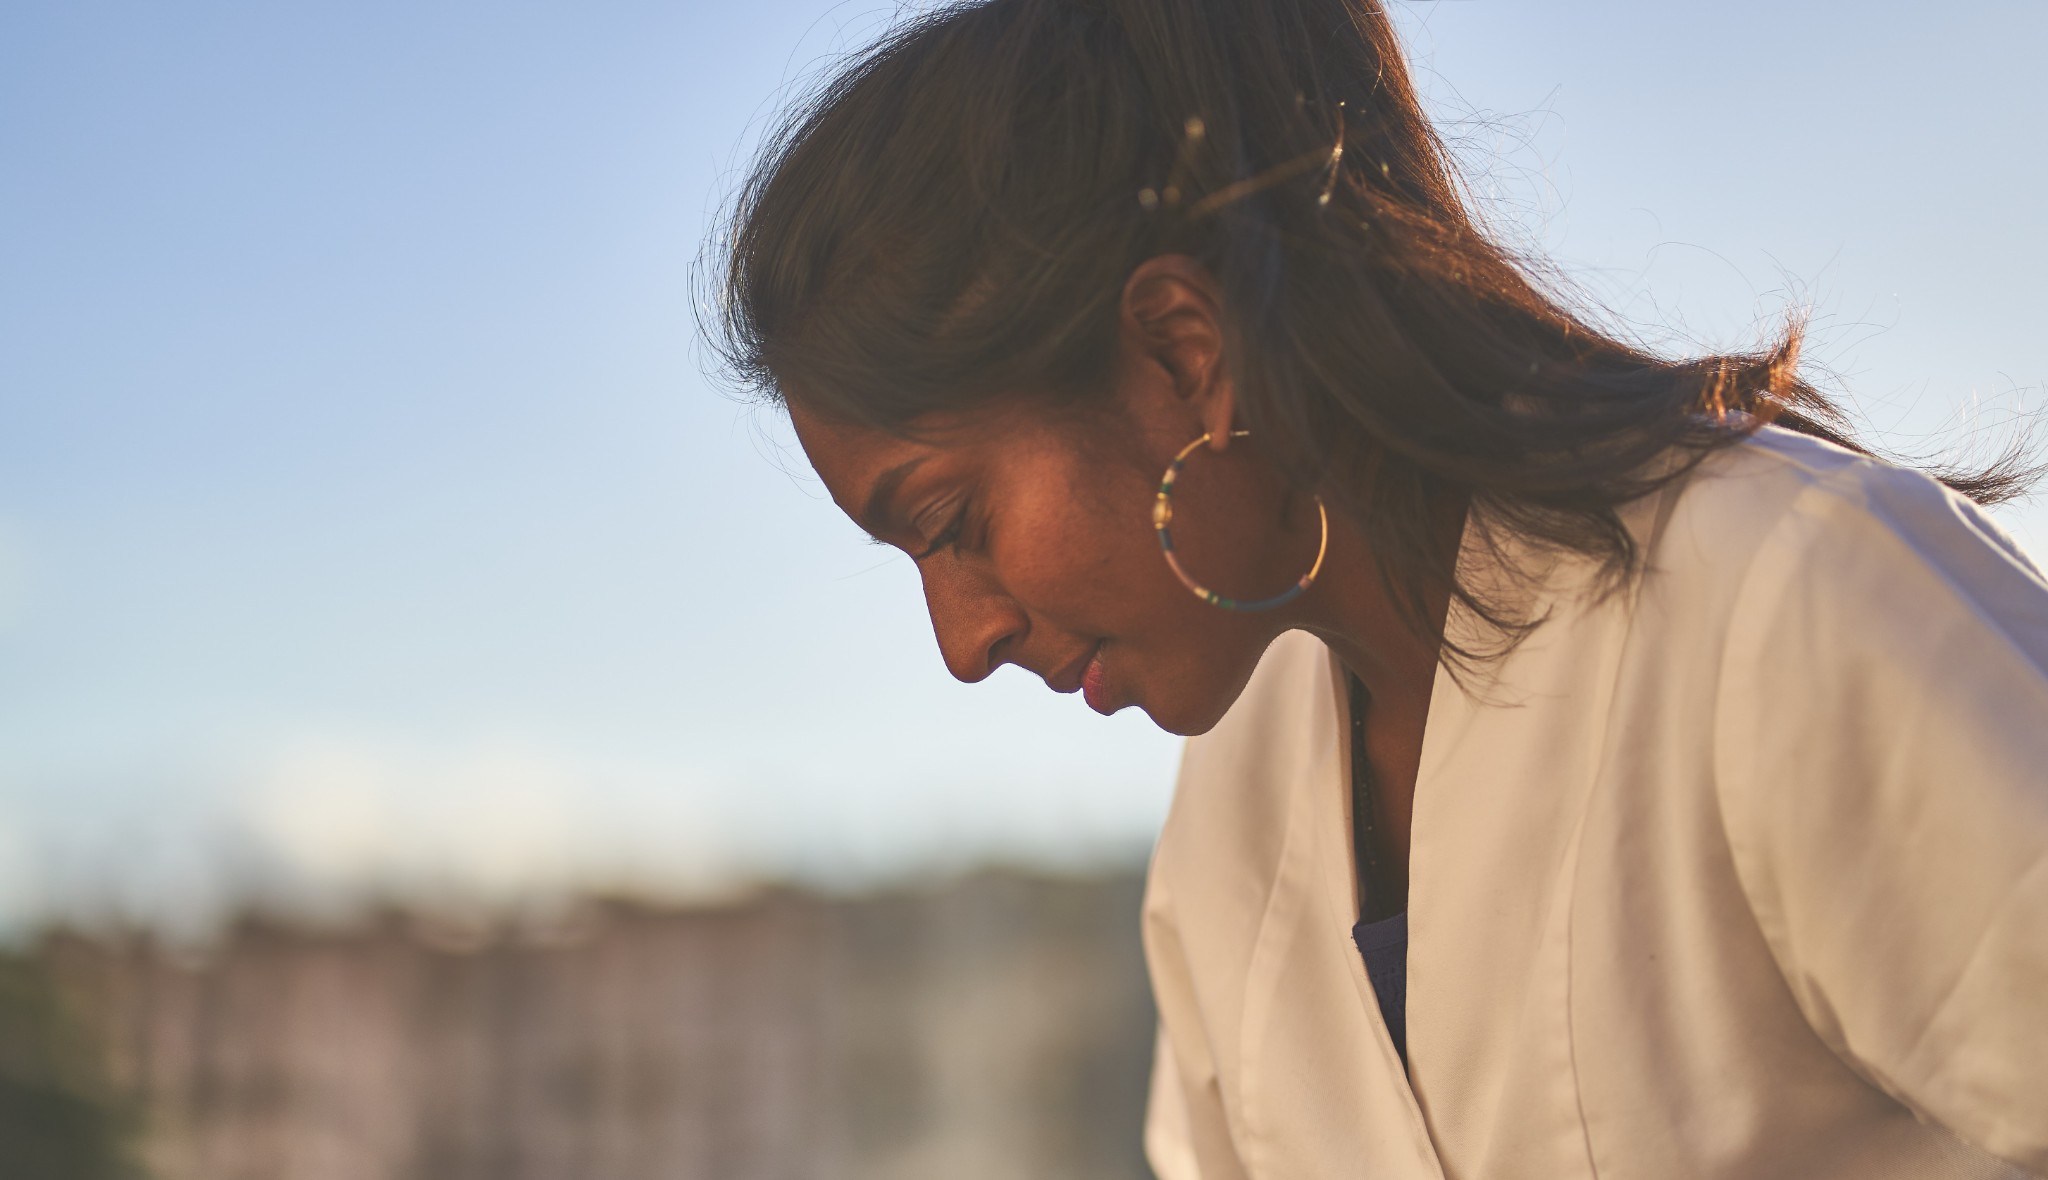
(849,448)
(842,444)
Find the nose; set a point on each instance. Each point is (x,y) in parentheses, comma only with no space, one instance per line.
(977,624)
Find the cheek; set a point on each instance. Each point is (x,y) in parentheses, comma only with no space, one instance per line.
(1074,544)
(1079,550)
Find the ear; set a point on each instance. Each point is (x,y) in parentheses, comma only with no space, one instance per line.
(1172,312)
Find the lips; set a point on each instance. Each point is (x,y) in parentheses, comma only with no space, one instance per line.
(1084,675)
(1094,686)
(1068,679)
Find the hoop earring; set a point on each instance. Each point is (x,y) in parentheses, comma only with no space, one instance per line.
(1162,517)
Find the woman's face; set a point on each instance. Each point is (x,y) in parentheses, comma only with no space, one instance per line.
(1032,531)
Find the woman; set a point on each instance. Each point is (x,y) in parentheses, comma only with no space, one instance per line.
(1604,768)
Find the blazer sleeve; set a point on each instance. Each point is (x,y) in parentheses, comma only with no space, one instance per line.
(1881,755)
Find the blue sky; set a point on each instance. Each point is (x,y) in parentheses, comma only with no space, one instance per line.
(366,521)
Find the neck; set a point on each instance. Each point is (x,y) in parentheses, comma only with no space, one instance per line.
(1352,611)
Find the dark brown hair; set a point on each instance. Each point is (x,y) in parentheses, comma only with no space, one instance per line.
(951,218)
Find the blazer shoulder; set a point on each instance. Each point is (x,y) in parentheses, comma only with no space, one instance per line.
(1724,513)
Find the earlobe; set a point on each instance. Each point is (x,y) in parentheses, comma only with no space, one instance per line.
(1219,409)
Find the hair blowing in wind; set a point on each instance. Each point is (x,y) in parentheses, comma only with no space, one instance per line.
(951,219)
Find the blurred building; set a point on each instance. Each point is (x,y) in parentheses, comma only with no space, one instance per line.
(998,1027)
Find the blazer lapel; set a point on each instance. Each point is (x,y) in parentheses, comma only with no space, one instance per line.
(1324,1093)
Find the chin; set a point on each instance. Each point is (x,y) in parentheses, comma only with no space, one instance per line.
(1187,718)
(1205,695)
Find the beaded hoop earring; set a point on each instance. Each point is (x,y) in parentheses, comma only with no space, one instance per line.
(1162,517)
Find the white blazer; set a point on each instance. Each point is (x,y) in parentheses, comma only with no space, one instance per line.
(1740,873)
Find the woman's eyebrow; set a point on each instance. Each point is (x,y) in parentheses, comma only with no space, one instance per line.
(880,509)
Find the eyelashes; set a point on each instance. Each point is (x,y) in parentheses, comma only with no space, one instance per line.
(948,536)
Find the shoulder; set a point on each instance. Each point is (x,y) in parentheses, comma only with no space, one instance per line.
(1780,508)
(1877,572)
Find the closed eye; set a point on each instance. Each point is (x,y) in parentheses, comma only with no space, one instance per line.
(948,537)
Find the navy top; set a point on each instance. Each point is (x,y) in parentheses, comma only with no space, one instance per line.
(1384,946)
(1382,943)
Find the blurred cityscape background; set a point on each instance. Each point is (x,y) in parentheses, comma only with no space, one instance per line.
(994,1026)
(444,733)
